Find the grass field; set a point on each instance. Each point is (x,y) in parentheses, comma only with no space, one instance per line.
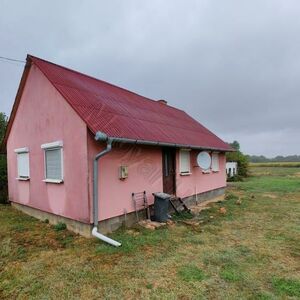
(251,252)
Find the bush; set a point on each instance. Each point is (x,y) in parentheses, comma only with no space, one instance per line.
(3,179)
(241,159)
(235,178)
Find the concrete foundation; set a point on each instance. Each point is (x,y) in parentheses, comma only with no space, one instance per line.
(217,194)
(75,226)
(112,224)
(106,226)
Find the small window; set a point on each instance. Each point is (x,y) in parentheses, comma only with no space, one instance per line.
(53,162)
(23,163)
(215,162)
(184,162)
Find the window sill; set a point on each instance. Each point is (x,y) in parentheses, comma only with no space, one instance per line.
(185,174)
(53,180)
(206,172)
(23,179)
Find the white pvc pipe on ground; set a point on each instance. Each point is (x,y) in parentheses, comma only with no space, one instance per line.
(105,238)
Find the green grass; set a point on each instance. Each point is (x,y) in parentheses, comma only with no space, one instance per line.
(271,184)
(251,252)
(290,287)
(191,273)
(231,273)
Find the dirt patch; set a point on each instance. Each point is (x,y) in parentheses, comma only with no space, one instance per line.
(196,209)
(269,195)
(152,225)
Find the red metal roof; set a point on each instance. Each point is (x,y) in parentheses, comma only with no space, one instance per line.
(121,113)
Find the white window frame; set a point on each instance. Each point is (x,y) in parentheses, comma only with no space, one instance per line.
(184,172)
(215,162)
(18,151)
(53,146)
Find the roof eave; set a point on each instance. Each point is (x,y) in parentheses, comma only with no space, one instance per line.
(103,137)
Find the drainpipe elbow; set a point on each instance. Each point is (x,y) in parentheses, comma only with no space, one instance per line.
(104,238)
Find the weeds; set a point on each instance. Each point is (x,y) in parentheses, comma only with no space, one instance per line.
(60,226)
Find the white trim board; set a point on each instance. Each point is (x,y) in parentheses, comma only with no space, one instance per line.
(56,144)
(22,150)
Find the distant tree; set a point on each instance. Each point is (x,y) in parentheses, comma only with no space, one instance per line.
(240,158)
(3,123)
(235,145)
(257,159)
(3,162)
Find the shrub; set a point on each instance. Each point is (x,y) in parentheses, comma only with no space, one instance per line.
(235,178)
(60,226)
(3,179)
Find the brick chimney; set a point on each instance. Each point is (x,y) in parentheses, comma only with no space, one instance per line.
(162,101)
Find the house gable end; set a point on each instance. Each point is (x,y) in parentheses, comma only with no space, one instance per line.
(42,116)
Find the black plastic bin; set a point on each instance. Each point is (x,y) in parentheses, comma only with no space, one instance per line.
(161,206)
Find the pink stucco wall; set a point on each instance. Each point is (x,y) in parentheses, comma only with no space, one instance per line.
(44,116)
(144,173)
(199,182)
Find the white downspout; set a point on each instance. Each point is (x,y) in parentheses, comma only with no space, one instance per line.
(95,233)
(104,238)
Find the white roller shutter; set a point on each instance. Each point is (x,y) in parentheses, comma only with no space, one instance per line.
(23,165)
(184,162)
(53,162)
(215,162)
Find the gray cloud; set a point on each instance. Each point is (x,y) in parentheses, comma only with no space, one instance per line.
(232,65)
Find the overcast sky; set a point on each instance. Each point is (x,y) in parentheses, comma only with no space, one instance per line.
(232,65)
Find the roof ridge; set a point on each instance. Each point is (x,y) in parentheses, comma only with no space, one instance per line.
(100,80)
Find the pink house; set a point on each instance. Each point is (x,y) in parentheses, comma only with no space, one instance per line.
(60,122)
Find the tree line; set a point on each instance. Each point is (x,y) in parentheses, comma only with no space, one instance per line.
(278,158)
